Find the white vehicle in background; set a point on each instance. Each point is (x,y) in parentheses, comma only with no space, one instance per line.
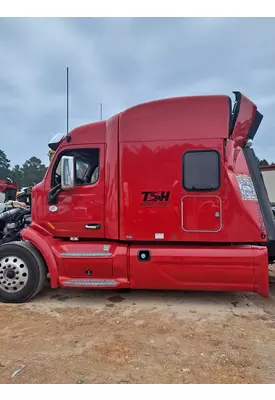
(23,189)
(268,174)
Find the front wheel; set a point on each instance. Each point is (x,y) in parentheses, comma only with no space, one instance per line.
(22,272)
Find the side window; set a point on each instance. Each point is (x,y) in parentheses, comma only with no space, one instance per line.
(201,170)
(86,165)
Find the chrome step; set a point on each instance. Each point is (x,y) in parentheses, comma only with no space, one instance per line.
(90,282)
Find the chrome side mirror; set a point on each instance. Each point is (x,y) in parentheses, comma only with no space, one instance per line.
(67,173)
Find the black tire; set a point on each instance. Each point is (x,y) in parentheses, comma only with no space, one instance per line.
(37,271)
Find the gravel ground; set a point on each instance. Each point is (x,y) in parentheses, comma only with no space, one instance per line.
(76,336)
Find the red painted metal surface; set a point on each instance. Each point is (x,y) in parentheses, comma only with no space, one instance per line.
(236,268)
(157,166)
(142,153)
(106,259)
(44,242)
(112,220)
(87,134)
(194,117)
(201,213)
(219,268)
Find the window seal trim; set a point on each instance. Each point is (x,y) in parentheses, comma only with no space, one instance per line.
(219,170)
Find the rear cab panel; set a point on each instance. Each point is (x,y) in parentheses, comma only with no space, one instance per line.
(182,179)
(153,140)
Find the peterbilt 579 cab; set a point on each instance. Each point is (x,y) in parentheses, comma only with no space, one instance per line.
(165,195)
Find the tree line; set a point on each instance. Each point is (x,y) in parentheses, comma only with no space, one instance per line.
(264,162)
(29,173)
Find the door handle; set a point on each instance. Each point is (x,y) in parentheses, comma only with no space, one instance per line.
(92,226)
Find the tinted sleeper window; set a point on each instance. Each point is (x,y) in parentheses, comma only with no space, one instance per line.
(201,170)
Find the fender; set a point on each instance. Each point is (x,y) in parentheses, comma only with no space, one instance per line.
(40,238)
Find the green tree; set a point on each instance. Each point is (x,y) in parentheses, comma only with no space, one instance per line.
(263,162)
(16,175)
(4,165)
(33,171)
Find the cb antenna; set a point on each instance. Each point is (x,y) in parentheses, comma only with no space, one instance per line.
(68,138)
(100,111)
(67,87)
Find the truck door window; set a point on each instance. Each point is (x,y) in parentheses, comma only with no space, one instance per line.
(201,170)
(86,165)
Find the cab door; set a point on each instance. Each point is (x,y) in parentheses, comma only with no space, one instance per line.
(79,212)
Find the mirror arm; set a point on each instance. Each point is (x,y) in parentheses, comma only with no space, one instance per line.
(53,194)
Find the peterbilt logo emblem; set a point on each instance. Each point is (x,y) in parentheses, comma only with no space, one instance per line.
(155,199)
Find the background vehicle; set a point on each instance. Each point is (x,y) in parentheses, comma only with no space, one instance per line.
(12,221)
(9,189)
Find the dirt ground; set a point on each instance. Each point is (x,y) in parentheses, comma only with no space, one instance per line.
(76,336)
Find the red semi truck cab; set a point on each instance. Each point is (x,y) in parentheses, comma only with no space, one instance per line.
(165,195)
(9,189)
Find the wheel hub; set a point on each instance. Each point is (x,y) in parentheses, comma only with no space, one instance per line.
(13,274)
(10,274)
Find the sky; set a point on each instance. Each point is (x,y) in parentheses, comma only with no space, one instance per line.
(120,62)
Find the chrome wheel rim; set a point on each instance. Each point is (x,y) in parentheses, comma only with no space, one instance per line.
(14,274)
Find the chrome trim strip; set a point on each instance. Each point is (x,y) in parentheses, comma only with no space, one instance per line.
(86,254)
